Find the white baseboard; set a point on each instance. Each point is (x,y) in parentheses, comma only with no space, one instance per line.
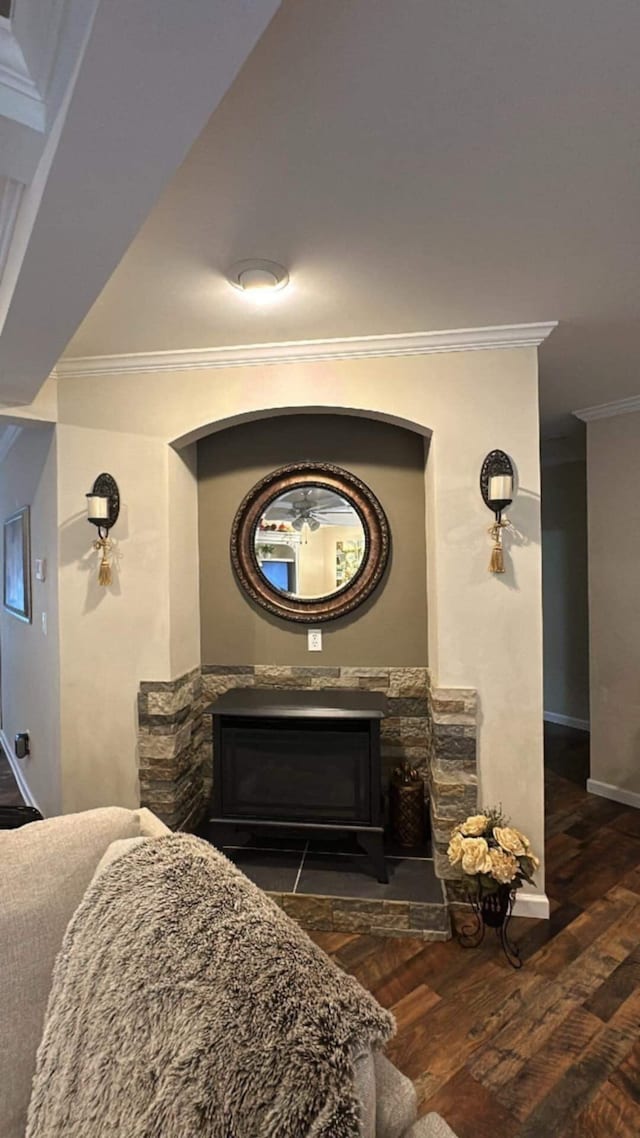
(18,773)
(531,905)
(615,793)
(567,721)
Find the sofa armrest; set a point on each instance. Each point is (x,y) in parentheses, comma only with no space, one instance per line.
(387,1098)
(430,1126)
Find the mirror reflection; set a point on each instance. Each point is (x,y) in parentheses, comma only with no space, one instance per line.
(309,542)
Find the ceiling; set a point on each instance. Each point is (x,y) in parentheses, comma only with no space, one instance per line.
(97,111)
(416,165)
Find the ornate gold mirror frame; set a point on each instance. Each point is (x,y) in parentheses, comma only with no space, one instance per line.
(376,536)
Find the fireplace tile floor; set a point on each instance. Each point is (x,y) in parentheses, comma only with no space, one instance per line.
(327,883)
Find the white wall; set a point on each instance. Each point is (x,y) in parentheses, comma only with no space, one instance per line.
(30,689)
(110,638)
(564,590)
(613,468)
(485,631)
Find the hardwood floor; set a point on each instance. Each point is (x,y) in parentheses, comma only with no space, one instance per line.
(552,1051)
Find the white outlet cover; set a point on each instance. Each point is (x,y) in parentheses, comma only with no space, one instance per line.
(314,639)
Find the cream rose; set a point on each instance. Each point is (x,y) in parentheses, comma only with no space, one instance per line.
(510,840)
(475,856)
(523,838)
(455,848)
(475,825)
(503,866)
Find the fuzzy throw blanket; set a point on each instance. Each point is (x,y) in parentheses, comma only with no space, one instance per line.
(185,1004)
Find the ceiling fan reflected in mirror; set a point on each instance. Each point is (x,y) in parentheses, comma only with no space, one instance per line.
(313,506)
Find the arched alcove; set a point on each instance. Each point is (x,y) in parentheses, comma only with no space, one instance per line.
(390,629)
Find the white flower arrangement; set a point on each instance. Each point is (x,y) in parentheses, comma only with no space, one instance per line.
(491,854)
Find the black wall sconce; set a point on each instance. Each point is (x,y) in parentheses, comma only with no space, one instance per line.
(496,487)
(103,507)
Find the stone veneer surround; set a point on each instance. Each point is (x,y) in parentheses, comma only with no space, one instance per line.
(171,750)
(435,729)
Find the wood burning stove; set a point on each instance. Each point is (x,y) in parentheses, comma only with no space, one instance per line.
(303,760)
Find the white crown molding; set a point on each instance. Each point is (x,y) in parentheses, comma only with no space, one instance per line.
(10,197)
(309,351)
(609,410)
(20,98)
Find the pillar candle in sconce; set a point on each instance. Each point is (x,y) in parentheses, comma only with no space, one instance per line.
(97,507)
(103,507)
(497,489)
(501,488)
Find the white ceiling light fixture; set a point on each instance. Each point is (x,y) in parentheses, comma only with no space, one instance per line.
(258,278)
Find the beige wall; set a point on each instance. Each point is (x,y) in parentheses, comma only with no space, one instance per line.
(391,628)
(110,639)
(184,563)
(613,476)
(564,590)
(30,690)
(484,631)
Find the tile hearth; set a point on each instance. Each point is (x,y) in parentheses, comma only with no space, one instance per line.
(330,884)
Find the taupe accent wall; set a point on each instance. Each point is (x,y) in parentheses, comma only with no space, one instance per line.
(391,627)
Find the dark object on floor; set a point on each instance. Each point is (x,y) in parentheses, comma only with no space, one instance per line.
(11,817)
(492,911)
(406,807)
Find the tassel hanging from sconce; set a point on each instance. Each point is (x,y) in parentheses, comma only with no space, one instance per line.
(104,572)
(103,507)
(496,565)
(496,487)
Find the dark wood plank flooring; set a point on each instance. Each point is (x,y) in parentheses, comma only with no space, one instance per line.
(552,1051)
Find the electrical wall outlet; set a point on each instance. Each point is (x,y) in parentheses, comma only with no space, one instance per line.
(21,744)
(314,639)
(41,568)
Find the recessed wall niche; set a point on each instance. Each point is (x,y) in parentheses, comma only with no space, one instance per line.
(391,627)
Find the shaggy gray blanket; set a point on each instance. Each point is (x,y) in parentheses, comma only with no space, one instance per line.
(186,1004)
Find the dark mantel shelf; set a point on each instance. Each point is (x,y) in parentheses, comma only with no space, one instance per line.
(309,704)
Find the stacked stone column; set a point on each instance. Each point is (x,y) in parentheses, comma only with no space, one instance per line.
(170,750)
(453,774)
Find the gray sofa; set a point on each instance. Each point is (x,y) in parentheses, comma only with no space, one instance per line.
(46,868)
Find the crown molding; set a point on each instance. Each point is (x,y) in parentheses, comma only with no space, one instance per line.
(20,98)
(609,410)
(309,351)
(10,197)
(8,436)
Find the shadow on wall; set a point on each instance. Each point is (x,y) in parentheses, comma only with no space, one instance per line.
(474,541)
(77,536)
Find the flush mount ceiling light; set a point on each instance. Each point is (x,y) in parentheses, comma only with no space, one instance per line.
(258,277)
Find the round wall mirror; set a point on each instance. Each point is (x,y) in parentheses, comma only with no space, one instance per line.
(310,542)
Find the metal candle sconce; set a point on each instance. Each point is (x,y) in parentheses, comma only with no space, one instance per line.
(103,507)
(496,487)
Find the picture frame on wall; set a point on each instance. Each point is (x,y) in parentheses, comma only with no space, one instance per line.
(16,596)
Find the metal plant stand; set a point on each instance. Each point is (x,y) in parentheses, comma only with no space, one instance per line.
(492,910)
